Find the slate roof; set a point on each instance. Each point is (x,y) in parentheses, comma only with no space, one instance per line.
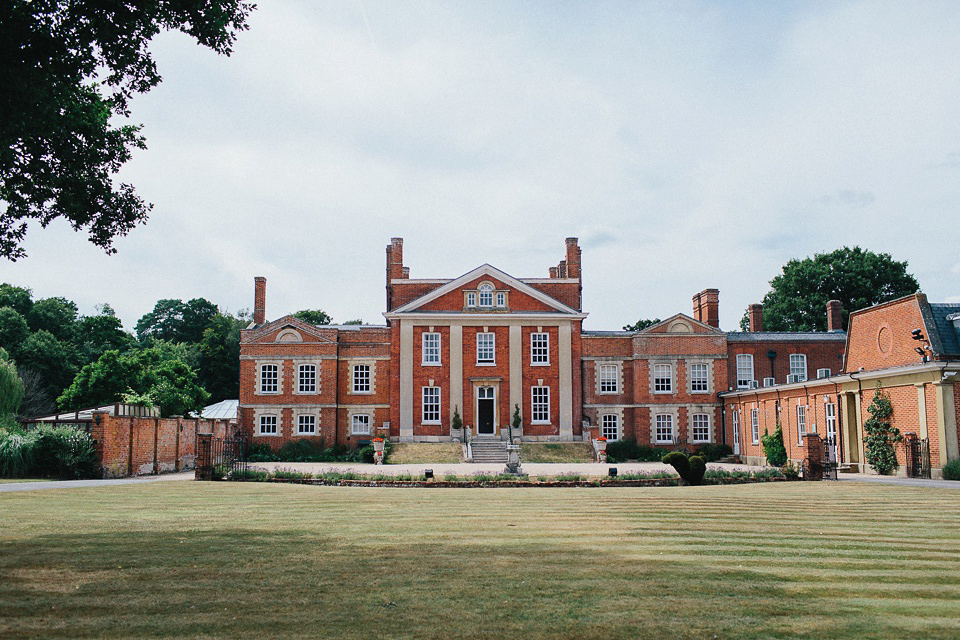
(946,330)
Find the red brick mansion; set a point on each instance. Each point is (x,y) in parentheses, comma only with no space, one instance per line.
(487,343)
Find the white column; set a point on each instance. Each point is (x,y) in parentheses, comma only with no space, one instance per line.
(406,381)
(947,422)
(516,370)
(456,368)
(565,350)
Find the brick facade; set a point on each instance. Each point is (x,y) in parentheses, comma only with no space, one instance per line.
(670,374)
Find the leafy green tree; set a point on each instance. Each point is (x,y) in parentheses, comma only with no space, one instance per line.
(313,316)
(220,357)
(773,447)
(53,360)
(11,388)
(17,298)
(97,334)
(56,315)
(67,68)
(354,321)
(13,330)
(881,435)
(857,278)
(158,372)
(641,324)
(176,321)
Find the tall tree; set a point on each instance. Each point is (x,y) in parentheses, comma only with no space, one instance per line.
(158,372)
(56,315)
(97,334)
(16,298)
(220,357)
(13,330)
(798,296)
(641,324)
(176,321)
(67,68)
(54,361)
(11,389)
(313,316)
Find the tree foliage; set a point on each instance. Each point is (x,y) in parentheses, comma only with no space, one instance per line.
(18,298)
(773,448)
(13,330)
(220,357)
(56,315)
(66,69)
(176,320)
(641,324)
(159,372)
(11,387)
(856,277)
(313,316)
(881,435)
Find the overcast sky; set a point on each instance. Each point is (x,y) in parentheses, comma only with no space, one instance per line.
(688,145)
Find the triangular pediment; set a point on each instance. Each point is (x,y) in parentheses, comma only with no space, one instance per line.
(680,324)
(492,273)
(287,328)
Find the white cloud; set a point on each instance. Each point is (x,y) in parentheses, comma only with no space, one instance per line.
(688,146)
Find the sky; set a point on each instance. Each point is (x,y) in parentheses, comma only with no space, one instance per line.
(688,145)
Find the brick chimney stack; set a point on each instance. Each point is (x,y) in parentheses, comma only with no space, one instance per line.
(706,307)
(573,258)
(834,316)
(259,300)
(755,314)
(395,268)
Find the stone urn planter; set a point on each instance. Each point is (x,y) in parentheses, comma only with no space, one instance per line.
(513,459)
(378,444)
(600,448)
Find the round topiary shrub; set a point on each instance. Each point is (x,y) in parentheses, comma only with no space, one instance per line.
(690,469)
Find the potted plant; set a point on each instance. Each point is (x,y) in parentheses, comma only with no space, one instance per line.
(456,424)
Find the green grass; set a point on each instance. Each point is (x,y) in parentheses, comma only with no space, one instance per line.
(425,453)
(18,480)
(556,452)
(254,560)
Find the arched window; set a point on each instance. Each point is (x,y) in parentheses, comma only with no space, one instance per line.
(485,295)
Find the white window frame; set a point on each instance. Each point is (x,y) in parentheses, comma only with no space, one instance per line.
(484,349)
(361,420)
(269,386)
(830,413)
(735,416)
(661,422)
(745,372)
(798,365)
(268,420)
(305,420)
(306,388)
(704,424)
(430,348)
(362,383)
(430,405)
(609,382)
(539,353)
(501,299)
(696,379)
(610,426)
(540,405)
(755,426)
(658,385)
(801,422)
(485,296)
(471,298)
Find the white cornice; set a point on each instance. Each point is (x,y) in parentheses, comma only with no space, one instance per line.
(492,318)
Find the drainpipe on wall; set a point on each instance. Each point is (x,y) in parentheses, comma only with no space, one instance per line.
(336,394)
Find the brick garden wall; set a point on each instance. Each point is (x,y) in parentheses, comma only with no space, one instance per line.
(133,446)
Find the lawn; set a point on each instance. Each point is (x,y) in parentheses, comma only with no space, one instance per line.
(557,452)
(425,453)
(190,559)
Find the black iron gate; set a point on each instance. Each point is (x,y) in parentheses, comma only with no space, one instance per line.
(919,458)
(217,458)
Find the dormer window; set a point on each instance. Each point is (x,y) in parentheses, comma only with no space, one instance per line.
(485,295)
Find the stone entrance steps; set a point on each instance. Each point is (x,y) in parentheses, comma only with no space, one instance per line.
(491,450)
